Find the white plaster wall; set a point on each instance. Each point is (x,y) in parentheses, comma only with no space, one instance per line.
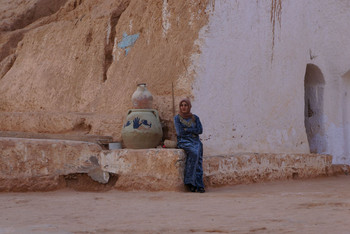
(249,84)
(329,34)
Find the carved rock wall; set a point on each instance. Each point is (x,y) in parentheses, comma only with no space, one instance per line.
(73,56)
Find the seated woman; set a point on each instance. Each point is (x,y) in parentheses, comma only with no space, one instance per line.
(188,127)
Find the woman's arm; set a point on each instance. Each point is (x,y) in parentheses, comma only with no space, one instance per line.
(198,129)
(180,131)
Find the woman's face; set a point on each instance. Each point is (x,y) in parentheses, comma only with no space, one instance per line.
(184,108)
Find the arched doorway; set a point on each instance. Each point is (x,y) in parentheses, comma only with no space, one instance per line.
(314,122)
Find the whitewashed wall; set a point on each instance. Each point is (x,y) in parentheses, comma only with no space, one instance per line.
(249,84)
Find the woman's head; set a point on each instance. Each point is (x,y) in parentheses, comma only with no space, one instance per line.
(185,108)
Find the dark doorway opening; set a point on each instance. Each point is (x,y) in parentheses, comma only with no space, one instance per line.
(314,118)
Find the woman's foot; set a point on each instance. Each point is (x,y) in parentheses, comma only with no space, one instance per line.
(191,188)
(201,190)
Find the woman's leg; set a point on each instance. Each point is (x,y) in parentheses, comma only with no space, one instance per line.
(192,158)
(199,169)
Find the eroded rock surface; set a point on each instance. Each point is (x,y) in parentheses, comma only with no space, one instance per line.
(64,57)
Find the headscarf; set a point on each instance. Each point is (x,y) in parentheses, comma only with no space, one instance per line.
(188,114)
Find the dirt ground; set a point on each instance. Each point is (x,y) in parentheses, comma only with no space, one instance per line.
(299,206)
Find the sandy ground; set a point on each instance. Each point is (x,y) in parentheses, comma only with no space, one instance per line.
(300,206)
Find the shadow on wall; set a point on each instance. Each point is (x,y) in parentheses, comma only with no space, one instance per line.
(314,122)
(346,112)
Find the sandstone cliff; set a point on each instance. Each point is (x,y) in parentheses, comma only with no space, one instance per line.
(72,65)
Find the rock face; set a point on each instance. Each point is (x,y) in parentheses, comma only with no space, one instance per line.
(65,58)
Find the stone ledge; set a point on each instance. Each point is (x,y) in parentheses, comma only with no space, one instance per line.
(21,158)
(31,164)
(69,137)
(62,123)
(253,167)
(149,169)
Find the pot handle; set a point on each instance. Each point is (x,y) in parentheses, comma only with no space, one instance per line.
(155,113)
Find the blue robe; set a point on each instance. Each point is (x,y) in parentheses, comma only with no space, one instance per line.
(187,131)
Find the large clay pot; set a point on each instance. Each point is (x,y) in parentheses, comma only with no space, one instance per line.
(142,98)
(142,129)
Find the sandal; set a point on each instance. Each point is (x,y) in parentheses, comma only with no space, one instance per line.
(201,190)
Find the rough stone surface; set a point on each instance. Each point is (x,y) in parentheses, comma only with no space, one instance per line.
(151,169)
(32,164)
(340,169)
(90,72)
(251,168)
(99,175)
(31,183)
(62,123)
(105,140)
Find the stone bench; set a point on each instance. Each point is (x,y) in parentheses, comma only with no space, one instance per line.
(38,164)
